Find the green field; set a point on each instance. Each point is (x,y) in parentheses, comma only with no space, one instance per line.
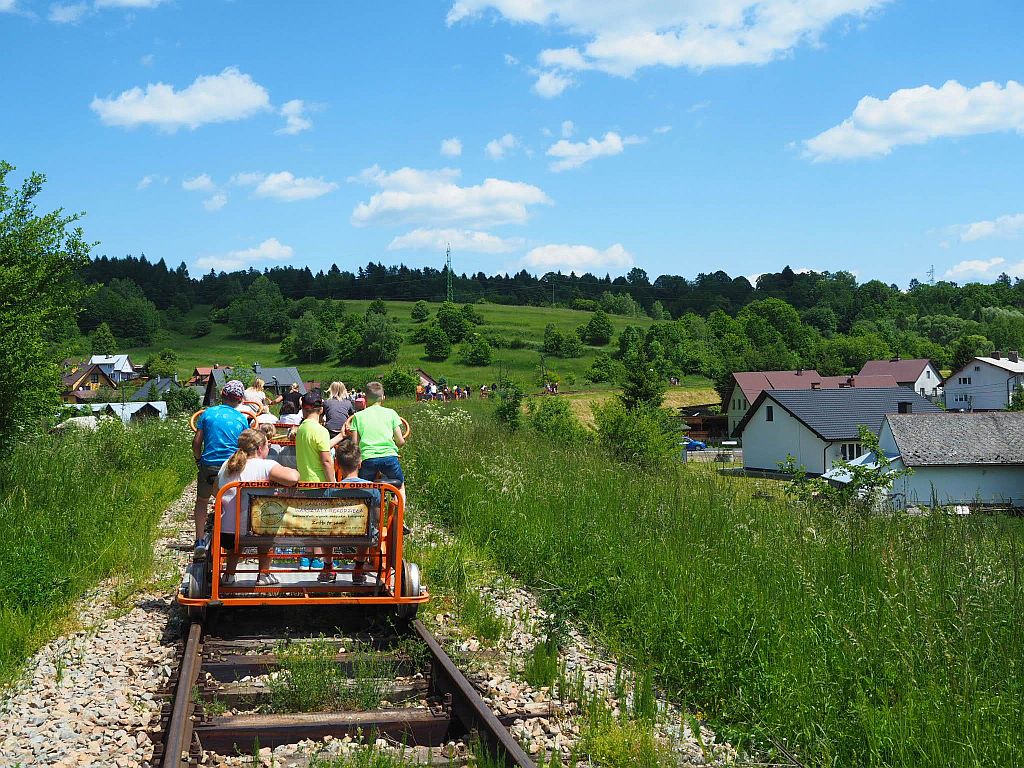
(858,641)
(522,365)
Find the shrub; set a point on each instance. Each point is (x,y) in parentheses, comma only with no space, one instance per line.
(605,369)
(559,344)
(309,341)
(476,351)
(598,330)
(508,407)
(471,314)
(399,382)
(201,328)
(376,307)
(381,340)
(182,400)
(436,343)
(453,322)
(643,436)
(553,418)
(164,363)
(420,312)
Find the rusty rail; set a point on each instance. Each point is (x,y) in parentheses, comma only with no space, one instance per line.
(179,728)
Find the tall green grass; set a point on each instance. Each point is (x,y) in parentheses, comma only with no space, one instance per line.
(884,641)
(75,508)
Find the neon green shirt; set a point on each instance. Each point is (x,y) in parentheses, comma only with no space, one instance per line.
(311,440)
(376,427)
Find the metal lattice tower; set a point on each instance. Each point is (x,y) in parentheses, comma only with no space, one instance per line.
(931,275)
(448,264)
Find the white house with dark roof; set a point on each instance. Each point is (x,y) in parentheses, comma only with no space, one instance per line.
(919,374)
(118,367)
(818,426)
(957,458)
(985,383)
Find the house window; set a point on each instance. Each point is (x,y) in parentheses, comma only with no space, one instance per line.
(964,380)
(928,373)
(769,413)
(977,367)
(95,378)
(850,451)
(922,390)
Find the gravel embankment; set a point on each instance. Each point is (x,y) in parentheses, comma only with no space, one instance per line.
(89,698)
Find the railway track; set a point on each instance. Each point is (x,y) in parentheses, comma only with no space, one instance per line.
(428,703)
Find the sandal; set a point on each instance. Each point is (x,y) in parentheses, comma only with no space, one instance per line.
(326,576)
(266,580)
(358,577)
(227,579)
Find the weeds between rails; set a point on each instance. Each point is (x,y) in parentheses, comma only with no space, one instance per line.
(74,509)
(875,641)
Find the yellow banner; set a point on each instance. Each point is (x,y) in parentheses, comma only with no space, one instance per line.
(280,516)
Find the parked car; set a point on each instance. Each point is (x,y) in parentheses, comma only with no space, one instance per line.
(694,445)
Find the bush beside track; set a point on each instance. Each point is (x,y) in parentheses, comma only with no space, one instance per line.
(76,508)
(860,641)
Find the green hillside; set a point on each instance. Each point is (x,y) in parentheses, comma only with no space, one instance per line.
(527,323)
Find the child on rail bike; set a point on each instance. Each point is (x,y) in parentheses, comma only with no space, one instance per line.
(378,433)
(348,457)
(216,439)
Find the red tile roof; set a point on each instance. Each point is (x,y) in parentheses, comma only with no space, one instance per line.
(904,371)
(753,383)
(859,380)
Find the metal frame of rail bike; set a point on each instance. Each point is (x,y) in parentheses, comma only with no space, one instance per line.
(396,580)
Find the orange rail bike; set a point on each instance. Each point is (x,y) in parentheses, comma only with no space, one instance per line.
(335,516)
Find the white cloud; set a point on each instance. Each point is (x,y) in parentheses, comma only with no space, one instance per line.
(200,183)
(462,240)
(974,268)
(568,129)
(498,148)
(576,154)
(1004,226)
(295,121)
(698,34)
(231,95)
(578,258)
(551,84)
(215,202)
(67,13)
(269,250)
(7,6)
(147,181)
(511,60)
(434,197)
(147,60)
(918,115)
(663,129)
(451,147)
(285,186)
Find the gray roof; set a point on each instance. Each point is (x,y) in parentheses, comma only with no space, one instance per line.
(285,377)
(835,414)
(155,387)
(995,437)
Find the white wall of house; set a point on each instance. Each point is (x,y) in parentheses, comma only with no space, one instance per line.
(978,386)
(993,484)
(766,443)
(737,407)
(928,382)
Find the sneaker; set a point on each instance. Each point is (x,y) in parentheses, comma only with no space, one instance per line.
(266,580)
(316,564)
(303,563)
(227,579)
(358,577)
(326,576)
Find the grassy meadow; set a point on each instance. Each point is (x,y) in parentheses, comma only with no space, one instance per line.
(76,508)
(525,323)
(883,641)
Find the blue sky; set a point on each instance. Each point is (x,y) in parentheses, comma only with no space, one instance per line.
(681,136)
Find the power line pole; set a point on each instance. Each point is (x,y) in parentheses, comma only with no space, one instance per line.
(448,256)
(931,275)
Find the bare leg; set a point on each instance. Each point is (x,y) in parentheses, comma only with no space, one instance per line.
(200,513)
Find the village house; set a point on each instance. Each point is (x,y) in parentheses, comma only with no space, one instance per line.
(200,376)
(82,385)
(748,385)
(128,412)
(155,389)
(278,381)
(118,367)
(956,458)
(985,383)
(818,426)
(920,375)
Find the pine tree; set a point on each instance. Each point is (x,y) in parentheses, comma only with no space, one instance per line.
(102,341)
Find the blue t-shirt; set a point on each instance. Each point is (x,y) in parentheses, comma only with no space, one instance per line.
(221,425)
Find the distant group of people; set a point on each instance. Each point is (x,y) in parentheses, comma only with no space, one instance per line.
(444,393)
(227,450)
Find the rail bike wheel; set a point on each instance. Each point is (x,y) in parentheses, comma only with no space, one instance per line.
(197,586)
(410,588)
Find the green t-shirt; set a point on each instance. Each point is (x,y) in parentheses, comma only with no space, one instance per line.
(311,440)
(376,427)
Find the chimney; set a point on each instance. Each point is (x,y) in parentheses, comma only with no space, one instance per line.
(851,382)
(895,359)
(799,371)
(1014,356)
(815,385)
(997,355)
(905,406)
